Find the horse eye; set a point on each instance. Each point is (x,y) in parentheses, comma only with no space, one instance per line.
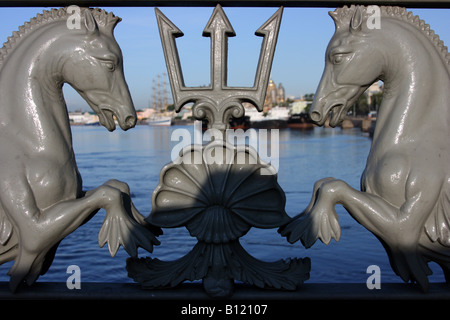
(109,65)
(338,58)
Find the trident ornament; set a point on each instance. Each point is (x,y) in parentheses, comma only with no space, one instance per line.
(218,102)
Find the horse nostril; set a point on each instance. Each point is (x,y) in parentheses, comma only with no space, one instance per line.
(315,116)
(130,121)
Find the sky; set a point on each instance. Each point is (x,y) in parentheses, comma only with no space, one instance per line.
(299,57)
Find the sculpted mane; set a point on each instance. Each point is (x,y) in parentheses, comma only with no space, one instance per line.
(103,19)
(343,17)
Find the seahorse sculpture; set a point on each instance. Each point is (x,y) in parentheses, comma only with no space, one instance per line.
(41,197)
(405,187)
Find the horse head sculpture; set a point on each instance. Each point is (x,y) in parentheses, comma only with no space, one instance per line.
(352,65)
(96,71)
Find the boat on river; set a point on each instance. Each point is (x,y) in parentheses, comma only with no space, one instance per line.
(300,121)
(159,121)
(276,117)
(235,123)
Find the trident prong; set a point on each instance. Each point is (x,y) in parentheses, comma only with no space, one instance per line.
(219,29)
(218,102)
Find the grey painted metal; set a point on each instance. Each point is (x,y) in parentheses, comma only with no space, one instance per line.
(405,188)
(224,3)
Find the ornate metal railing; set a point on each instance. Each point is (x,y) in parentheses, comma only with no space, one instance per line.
(219,191)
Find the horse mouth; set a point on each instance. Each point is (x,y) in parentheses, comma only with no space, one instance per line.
(109,119)
(334,110)
(337,114)
(106,118)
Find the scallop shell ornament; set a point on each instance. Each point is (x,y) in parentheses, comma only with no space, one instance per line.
(218,192)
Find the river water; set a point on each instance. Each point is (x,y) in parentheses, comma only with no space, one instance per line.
(138,155)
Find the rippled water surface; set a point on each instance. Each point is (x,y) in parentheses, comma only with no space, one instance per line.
(138,155)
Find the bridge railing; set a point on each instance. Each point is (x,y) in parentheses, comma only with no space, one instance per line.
(315,291)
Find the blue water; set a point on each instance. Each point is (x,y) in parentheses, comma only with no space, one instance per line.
(137,156)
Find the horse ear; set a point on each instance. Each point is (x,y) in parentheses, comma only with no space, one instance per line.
(334,16)
(356,21)
(89,21)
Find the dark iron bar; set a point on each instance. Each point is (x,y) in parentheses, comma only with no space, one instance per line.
(224,3)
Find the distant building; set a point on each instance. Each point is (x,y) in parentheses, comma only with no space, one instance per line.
(281,94)
(78,118)
(373,89)
(145,113)
(299,106)
(274,95)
